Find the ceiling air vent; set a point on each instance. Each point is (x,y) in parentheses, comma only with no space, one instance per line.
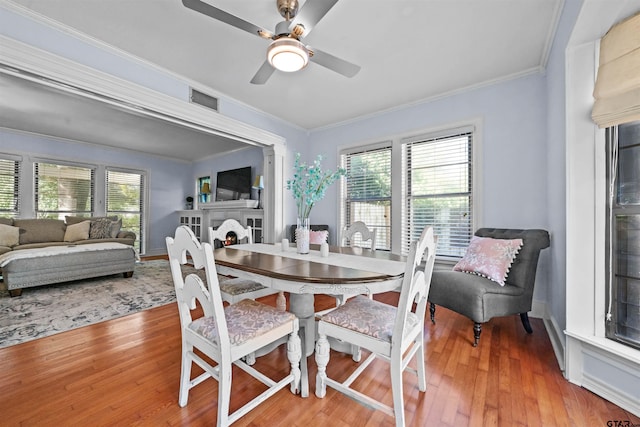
(197,97)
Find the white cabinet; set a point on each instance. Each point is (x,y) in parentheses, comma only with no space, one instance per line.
(255,221)
(194,219)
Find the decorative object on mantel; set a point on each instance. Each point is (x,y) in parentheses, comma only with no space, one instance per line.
(309,184)
(205,191)
(189,203)
(258,184)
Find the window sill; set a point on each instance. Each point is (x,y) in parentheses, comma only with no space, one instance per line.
(605,344)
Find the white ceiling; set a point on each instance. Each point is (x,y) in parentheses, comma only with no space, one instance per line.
(409,51)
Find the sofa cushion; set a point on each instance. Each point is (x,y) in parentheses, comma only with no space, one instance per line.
(79,231)
(6,221)
(40,230)
(9,235)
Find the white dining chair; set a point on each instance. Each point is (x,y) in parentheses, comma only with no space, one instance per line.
(236,289)
(354,235)
(350,235)
(395,334)
(224,334)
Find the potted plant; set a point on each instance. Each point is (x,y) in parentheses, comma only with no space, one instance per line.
(309,185)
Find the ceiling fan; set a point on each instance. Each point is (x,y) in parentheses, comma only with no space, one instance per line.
(286,51)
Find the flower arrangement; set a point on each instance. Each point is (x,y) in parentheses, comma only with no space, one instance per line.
(309,183)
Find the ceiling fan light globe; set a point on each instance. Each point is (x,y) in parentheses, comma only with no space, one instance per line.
(288,55)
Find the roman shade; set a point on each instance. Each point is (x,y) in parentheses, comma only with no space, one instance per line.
(617,90)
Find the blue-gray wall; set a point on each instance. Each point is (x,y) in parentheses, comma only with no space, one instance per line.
(556,158)
(522,136)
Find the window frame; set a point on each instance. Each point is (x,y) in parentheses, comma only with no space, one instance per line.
(144,203)
(344,199)
(62,213)
(614,323)
(397,196)
(17,174)
(410,197)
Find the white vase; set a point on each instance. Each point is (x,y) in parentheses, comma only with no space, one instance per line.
(302,236)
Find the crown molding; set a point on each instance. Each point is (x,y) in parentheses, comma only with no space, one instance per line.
(26,61)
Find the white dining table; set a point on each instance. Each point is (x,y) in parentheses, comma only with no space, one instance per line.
(345,271)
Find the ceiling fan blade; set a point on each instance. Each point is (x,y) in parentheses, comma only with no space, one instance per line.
(334,63)
(310,14)
(263,74)
(227,18)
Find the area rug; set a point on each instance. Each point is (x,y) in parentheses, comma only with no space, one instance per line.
(47,310)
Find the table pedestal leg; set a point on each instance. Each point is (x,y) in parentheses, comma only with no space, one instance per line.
(302,306)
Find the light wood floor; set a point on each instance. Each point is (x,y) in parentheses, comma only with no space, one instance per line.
(126,372)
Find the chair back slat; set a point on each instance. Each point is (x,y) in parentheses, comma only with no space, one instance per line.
(191,288)
(416,282)
(358,227)
(230,225)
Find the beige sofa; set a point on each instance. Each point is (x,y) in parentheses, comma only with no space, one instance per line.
(35,252)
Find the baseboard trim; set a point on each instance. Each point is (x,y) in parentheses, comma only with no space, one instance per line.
(556,336)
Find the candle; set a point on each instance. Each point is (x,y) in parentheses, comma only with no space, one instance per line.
(324,249)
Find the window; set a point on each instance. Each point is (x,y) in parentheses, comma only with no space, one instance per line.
(125,198)
(367,191)
(431,184)
(623,297)
(9,186)
(437,188)
(63,189)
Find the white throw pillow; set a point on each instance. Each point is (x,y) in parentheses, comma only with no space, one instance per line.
(79,231)
(9,235)
(490,258)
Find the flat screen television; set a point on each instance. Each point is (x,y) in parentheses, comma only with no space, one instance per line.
(234,184)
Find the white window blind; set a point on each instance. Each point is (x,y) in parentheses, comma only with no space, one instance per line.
(437,188)
(9,187)
(125,198)
(62,189)
(366,192)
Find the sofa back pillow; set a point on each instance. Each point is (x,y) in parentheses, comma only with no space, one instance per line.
(76,232)
(70,220)
(9,236)
(6,221)
(100,228)
(40,230)
(115,228)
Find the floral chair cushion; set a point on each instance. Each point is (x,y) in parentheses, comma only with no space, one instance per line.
(238,286)
(368,317)
(246,320)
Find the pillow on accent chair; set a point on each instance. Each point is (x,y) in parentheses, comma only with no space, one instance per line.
(490,258)
(318,237)
(9,235)
(79,231)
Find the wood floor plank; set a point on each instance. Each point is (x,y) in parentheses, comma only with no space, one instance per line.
(126,372)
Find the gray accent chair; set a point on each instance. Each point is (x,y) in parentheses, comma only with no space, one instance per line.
(481,299)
